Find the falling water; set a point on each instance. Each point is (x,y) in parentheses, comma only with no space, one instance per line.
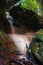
(10,20)
(12,29)
(19,40)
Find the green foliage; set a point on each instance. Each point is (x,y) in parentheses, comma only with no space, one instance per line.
(33,46)
(40,34)
(37,44)
(41,49)
(29,4)
(33,5)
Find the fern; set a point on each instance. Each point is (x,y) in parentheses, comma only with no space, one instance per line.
(29,4)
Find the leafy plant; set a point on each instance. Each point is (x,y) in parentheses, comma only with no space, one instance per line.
(29,4)
(40,34)
(37,42)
